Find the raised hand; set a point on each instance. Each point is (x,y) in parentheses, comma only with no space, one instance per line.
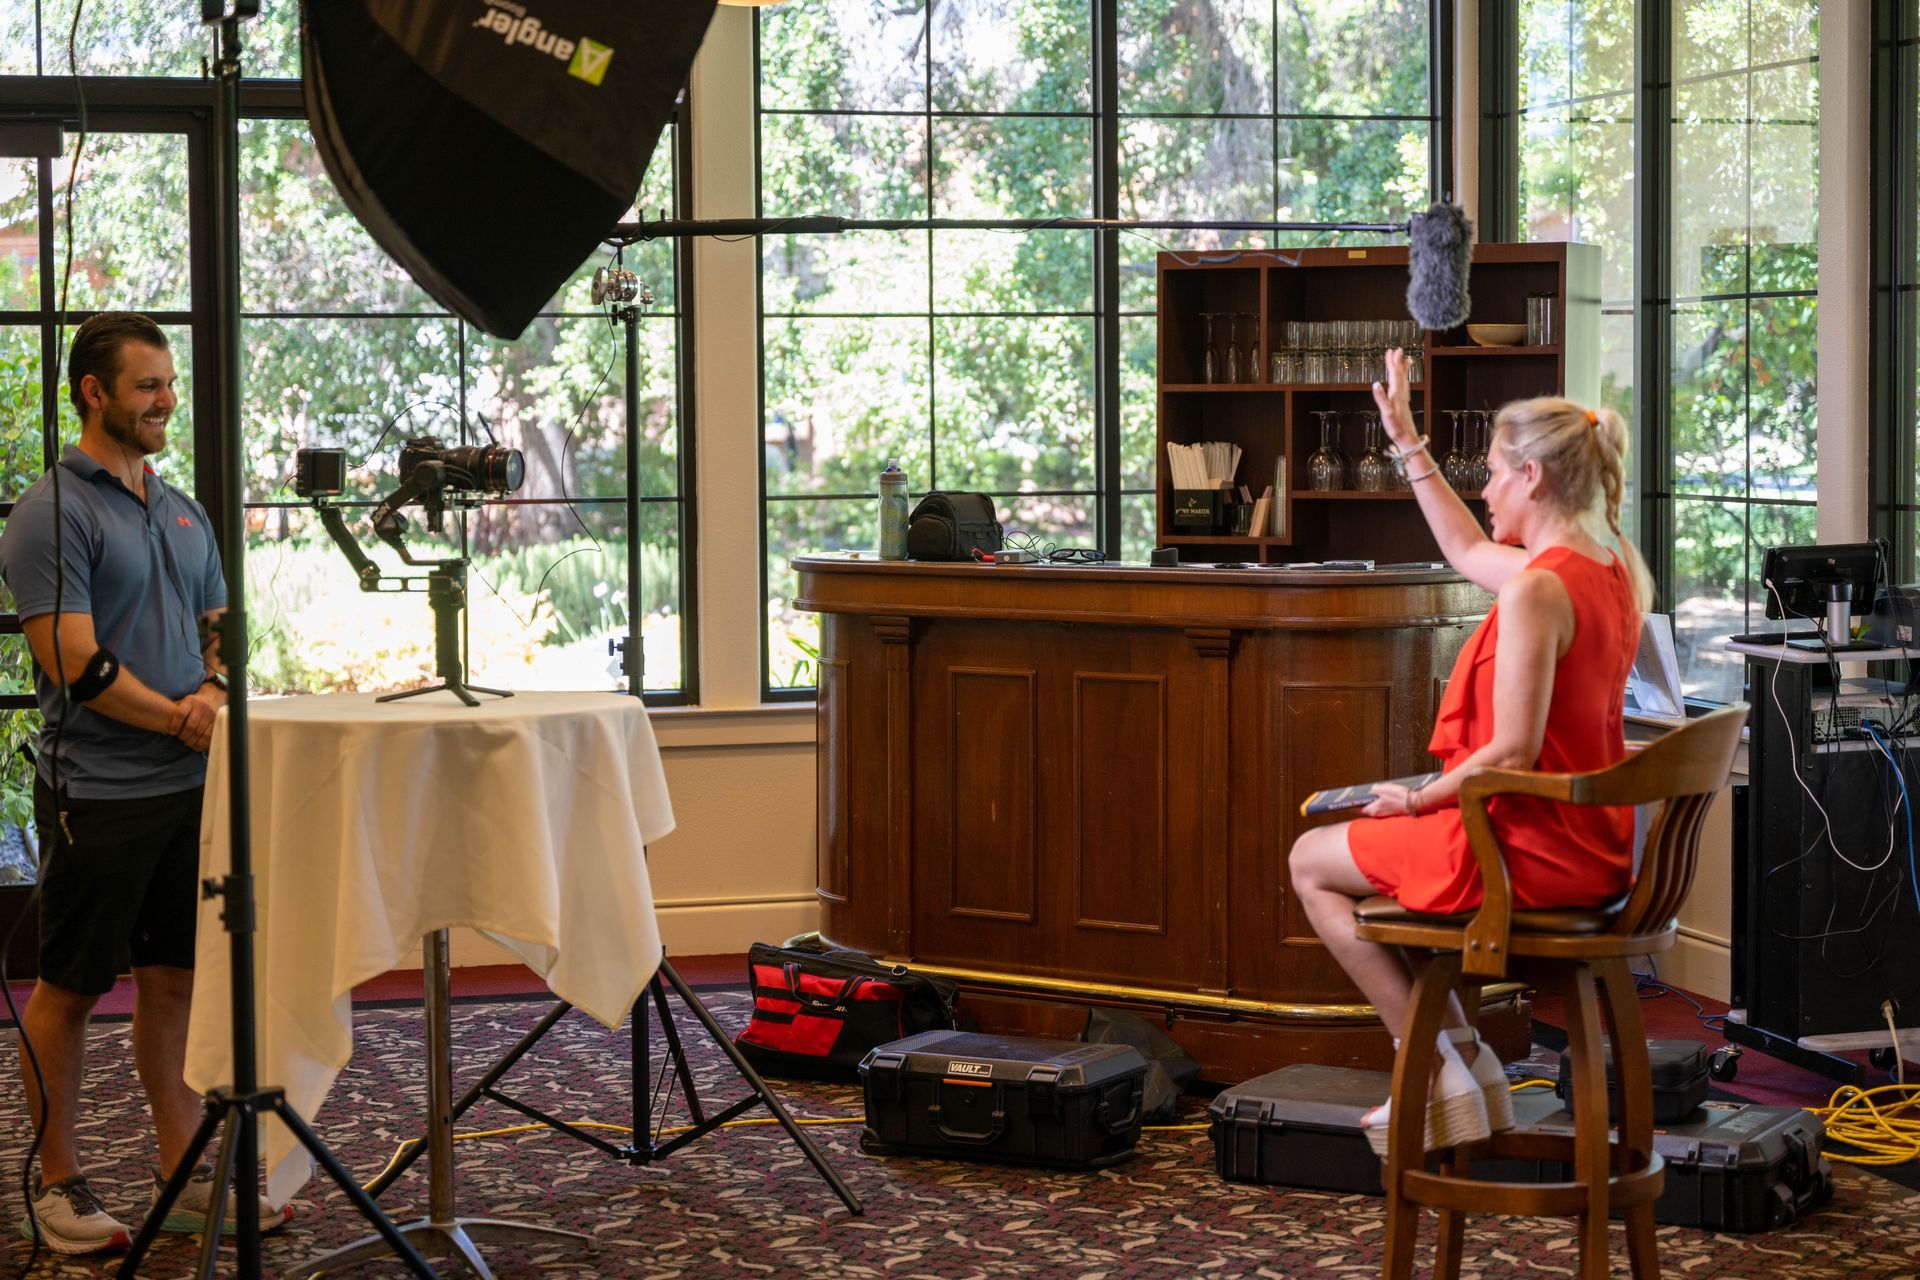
(1395,402)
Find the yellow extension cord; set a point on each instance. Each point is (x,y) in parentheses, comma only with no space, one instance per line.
(1852,1115)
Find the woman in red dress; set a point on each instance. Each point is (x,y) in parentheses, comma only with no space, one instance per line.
(1539,685)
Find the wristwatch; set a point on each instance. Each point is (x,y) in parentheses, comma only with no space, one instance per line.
(217,680)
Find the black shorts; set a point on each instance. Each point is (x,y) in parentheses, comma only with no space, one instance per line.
(121,887)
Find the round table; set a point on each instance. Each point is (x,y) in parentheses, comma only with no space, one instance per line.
(377,825)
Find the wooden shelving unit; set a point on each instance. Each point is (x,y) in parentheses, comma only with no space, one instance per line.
(1268,420)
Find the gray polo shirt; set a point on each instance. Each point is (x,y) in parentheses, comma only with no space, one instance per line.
(146,572)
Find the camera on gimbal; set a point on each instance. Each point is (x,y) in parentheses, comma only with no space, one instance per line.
(435,476)
(477,468)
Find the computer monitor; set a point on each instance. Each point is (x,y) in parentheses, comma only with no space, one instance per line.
(1831,582)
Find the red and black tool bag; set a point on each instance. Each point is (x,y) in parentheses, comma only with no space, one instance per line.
(818,1010)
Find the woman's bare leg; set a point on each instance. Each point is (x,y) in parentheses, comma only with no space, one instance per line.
(1329,884)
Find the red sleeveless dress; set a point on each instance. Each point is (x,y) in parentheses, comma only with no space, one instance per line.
(1558,855)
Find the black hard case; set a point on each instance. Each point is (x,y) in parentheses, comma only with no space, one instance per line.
(1300,1127)
(1679,1069)
(1733,1167)
(1737,1166)
(963,1095)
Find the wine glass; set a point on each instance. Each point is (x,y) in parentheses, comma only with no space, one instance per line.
(1327,469)
(1207,370)
(1371,472)
(1251,362)
(1453,468)
(1233,347)
(1480,471)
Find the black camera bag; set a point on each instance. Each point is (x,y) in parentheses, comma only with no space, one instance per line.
(817,1010)
(952,526)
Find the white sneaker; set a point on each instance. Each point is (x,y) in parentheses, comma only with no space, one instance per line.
(189,1211)
(1492,1078)
(72,1220)
(1456,1108)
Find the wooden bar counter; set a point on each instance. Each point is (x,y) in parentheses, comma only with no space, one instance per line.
(1068,786)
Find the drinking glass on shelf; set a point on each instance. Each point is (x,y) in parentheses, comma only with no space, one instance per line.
(1370,474)
(1327,468)
(1379,341)
(1350,352)
(1480,472)
(1251,365)
(1208,370)
(1233,347)
(1453,468)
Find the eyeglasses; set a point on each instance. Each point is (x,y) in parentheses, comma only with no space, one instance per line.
(1076,555)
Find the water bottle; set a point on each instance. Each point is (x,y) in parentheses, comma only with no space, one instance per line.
(893,512)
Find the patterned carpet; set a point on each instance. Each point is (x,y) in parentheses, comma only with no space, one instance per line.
(745,1202)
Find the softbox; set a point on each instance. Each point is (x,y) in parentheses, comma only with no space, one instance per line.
(491,145)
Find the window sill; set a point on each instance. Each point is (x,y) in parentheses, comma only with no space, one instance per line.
(770,724)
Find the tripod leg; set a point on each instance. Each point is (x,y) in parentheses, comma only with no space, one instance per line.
(217,1208)
(244,1169)
(677,1056)
(150,1229)
(352,1190)
(480,688)
(760,1089)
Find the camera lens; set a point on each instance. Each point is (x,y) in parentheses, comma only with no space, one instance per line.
(490,468)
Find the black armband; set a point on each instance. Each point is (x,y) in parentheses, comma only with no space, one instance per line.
(101,671)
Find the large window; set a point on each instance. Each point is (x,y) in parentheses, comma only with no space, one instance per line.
(342,350)
(1744,182)
(1896,372)
(345,351)
(1720,373)
(1576,159)
(978,358)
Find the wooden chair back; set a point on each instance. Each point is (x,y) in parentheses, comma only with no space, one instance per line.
(1682,770)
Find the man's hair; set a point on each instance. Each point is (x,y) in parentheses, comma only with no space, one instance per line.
(96,350)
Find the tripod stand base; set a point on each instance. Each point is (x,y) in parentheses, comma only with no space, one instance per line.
(456,1239)
(464,692)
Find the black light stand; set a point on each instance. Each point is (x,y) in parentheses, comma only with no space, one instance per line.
(238,1106)
(629,298)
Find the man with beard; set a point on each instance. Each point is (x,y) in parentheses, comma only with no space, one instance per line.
(113,584)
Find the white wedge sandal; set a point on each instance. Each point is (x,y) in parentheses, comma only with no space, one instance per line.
(1456,1107)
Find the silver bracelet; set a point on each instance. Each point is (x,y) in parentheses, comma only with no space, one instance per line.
(1401,455)
(1429,472)
(1413,802)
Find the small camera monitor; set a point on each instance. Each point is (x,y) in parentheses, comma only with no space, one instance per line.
(319,473)
(1827,583)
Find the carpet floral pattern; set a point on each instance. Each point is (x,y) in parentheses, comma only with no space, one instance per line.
(746,1203)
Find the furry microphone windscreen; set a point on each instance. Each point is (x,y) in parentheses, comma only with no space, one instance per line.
(1439,249)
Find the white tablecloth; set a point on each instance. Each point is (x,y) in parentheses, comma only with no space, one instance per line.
(375,823)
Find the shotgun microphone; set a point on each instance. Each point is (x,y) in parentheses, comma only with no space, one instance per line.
(1439,251)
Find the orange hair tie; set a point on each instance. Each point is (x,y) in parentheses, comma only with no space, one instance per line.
(1593,418)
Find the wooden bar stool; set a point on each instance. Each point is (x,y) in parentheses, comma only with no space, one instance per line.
(1583,955)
